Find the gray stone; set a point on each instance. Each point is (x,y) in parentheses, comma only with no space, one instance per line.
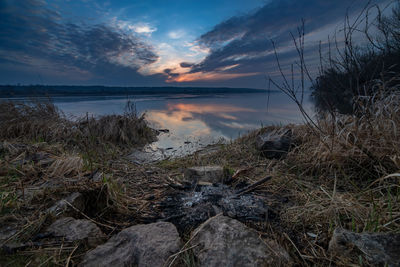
(62,207)
(77,230)
(210,174)
(274,144)
(140,245)
(222,241)
(378,248)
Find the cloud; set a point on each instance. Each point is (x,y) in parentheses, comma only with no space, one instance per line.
(170,73)
(177,34)
(38,38)
(186,65)
(144,28)
(207,76)
(242,44)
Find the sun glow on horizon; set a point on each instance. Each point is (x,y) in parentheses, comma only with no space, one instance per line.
(209,76)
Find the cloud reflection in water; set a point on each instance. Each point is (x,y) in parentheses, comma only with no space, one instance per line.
(199,119)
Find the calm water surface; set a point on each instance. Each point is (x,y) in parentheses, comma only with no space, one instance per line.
(193,121)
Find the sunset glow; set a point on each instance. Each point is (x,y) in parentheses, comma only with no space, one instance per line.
(159,43)
(208,76)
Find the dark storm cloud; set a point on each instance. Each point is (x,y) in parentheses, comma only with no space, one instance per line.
(33,36)
(246,40)
(170,73)
(186,65)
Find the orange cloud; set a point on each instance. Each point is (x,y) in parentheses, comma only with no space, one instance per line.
(208,76)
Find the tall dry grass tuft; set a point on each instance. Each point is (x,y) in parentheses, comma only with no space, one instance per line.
(37,121)
(361,146)
(117,129)
(42,121)
(344,168)
(345,173)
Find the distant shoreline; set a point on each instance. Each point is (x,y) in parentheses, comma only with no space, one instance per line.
(9,91)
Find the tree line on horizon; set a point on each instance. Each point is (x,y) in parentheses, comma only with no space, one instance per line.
(59,90)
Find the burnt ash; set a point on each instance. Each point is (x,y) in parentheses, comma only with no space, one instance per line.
(187,209)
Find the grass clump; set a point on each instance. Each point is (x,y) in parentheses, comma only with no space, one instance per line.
(42,121)
(37,121)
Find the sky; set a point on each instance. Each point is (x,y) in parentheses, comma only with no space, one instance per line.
(210,43)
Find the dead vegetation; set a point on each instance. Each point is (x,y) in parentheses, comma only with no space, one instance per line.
(42,121)
(45,157)
(346,175)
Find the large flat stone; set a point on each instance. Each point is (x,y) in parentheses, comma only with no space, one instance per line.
(140,245)
(274,144)
(77,230)
(380,249)
(222,241)
(208,174)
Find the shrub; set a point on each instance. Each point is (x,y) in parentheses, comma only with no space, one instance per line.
(353,71)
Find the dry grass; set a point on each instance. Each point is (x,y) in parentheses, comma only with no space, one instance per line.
(38,121)
(344,174)
(45,157)
(41,121)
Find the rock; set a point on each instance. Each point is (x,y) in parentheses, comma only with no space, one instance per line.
(381,249)
(62,207)
(274,144)
(222,241)
(210,174)
(245,207)
(76,230)
(139,245)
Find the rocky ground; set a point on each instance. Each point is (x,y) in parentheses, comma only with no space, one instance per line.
(73,193)
(226,206)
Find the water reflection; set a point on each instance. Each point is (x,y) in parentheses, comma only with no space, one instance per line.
(195,120)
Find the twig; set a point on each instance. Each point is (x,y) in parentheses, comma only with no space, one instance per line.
(70,255)
(251,187)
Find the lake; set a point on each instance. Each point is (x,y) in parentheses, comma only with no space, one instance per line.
(193,121)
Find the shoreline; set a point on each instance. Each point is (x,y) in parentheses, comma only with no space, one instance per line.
(61,90)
